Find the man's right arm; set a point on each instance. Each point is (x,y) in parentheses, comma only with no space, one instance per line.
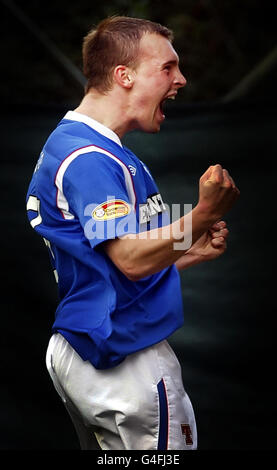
(138,257)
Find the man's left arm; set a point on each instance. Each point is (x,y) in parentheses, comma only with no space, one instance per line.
(210,245)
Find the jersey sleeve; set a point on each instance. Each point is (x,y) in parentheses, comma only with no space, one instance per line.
(100,193)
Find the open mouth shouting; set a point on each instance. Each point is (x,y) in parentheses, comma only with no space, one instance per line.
(161,105)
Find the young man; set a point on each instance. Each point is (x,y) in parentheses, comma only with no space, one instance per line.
(115,253)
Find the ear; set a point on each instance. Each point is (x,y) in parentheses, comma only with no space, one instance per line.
(123,76)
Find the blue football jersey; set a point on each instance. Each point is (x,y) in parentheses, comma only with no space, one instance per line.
(88,188)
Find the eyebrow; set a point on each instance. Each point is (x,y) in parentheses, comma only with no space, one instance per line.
(171,62)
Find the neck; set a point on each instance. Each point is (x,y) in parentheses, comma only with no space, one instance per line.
(109,109)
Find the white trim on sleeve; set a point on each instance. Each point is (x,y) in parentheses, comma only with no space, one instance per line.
(61,200)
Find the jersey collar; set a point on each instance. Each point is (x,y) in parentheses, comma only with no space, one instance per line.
(97,126)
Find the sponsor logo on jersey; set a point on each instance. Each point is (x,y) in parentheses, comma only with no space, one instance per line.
(153,206)
(111,210)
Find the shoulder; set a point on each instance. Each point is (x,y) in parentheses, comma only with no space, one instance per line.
(136,162)
(72,142)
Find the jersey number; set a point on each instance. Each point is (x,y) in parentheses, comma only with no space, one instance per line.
(33,204)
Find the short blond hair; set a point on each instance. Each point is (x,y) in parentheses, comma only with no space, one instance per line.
(115,41)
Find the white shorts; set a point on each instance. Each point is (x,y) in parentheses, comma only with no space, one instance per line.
(140,404)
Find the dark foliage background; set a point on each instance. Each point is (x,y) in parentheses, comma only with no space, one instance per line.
(219,42)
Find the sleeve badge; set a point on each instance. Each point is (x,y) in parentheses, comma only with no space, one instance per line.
(111,210)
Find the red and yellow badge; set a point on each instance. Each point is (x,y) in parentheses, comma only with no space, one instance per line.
(111,210)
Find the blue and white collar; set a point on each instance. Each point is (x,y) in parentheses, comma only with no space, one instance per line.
(97,126)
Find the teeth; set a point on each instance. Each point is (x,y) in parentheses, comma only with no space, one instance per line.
(171,97)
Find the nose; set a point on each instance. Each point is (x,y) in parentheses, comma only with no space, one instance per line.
(180,80)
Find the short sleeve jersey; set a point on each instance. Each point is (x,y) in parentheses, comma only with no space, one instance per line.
(88,188)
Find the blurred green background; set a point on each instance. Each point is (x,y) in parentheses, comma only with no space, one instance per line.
(226,114)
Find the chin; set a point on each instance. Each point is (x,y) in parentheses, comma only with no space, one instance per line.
(150,126)
(153,128)
(152,131)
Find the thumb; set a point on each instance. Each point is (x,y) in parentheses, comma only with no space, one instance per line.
(219,242)
(206,175)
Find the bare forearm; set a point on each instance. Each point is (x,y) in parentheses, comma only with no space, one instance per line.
(188,260)
(149,252)
(138,257)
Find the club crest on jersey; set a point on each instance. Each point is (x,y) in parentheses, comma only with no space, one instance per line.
(153,206)
(111,210)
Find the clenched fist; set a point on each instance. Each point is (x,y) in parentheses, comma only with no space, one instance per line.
(217,191)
